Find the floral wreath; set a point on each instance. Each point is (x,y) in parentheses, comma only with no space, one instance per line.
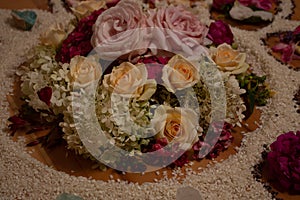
(62,67)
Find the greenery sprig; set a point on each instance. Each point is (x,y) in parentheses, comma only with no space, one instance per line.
(257,91)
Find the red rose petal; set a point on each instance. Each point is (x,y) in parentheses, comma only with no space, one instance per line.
(45,95)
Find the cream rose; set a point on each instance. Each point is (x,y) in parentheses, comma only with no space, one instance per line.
(130,81)
(177,125)
(84,8)
(84,70)
(147,90)
(229,60)
(119,30)
(54,36)
(180,31)
(179,74)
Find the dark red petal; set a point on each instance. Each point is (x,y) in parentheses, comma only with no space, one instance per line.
(287,53)
(219,32)
(279,47)
(297,30)
(112,3)
(45,95)
(17,120)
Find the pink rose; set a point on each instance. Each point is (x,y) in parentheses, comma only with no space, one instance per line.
(220,4)
(177,30)
(219,32)
(118,30)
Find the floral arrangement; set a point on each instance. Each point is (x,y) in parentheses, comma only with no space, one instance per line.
(289,45)
(154,77)
(247,11)
(283,163)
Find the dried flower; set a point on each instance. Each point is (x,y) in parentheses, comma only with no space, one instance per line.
(227,4)
(284,161)
(45,95)
(17,123)
(218,139)
(85,8)
(219,32)
(182,160)
(78,41)
(289,45)
(154,66)
(260,4)
(54,36)
(159,154)
(296,32)
(221,4)
(287,51)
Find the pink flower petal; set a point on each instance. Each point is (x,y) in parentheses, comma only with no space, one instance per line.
(297,31)
(279,47)
(219,32)
(288,53)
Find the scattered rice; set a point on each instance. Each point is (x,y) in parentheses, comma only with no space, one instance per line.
(23,177)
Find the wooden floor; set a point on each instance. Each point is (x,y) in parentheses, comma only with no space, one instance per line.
(24,4)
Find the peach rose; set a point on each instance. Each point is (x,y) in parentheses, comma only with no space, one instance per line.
(118,30)
(179,74)
(54,36)
(229,60)
(177,125)
(84,70)
(147,90)
(130,81)
(180,30)
(85,8)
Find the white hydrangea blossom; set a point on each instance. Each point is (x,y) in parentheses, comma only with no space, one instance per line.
(235,104)
(42,71)
(125,121)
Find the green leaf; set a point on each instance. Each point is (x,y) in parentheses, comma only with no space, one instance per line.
(257,92)
(251,98)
